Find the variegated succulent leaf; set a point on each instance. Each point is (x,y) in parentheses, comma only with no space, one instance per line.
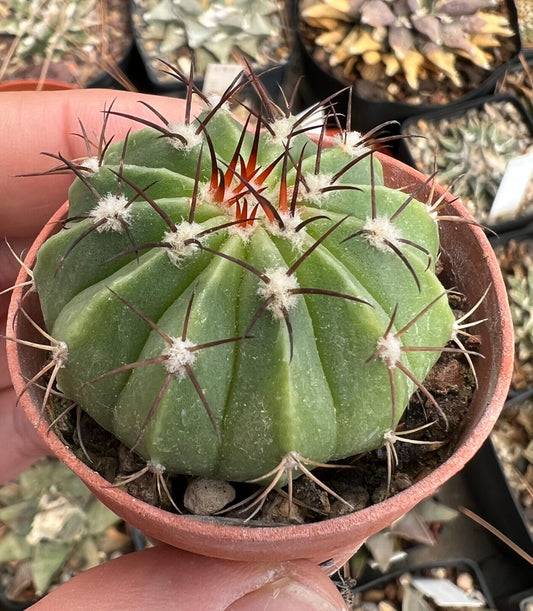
(49,515)
(417,40)
(213,32)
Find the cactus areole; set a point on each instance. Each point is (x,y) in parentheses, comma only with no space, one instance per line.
(225,296)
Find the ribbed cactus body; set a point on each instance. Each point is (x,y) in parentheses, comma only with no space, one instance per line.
(296,373)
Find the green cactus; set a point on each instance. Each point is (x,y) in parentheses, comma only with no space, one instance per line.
(225,300)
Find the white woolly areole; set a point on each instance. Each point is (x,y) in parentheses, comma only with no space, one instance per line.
(91,165)
(380,231)
(186,131)
(113,210)
(297,239)
(315,183)
(155,467)
(282,129)
(178,247)
(179,356)
(350,142)
(389,349)
(214,100)
(60,354)
(244,232)
(278,291)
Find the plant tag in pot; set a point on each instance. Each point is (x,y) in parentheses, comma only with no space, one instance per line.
(444,593)
(218,77)
(513,187)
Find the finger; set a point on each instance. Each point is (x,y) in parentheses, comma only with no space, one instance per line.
(167,578)
(20,446)
(45,121)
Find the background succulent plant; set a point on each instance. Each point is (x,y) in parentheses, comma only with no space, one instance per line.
(471,150)
(516,262)
(71,40)
(210,31)
(418,42)
(242,304)
(51,523)
(525,21)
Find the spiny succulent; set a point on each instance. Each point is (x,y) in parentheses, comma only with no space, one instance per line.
(407,40)
(211,31)
(471,150)
(51,521)
(241,302)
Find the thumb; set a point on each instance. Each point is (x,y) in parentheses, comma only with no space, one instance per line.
(47,121)
(163,577)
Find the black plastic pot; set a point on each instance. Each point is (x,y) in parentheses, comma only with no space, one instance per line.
(518,65)
(10,605)
(497,504)
(461,564)
(366,113)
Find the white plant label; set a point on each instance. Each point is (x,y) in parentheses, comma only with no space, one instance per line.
(218,77)
(512,188)
(444,593)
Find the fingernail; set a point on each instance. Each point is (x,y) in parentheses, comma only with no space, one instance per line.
(286,594)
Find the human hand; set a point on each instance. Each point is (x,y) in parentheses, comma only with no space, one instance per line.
(160,577)
(32,123)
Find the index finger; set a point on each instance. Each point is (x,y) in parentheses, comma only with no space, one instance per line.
(46,121)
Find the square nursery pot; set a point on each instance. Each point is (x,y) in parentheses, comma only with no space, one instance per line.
(517,80)
(396,586)
(85,44)
(174,35)
(496,502)
(470,267)
(470,147)
(369,110)
(514,249)
(494,476)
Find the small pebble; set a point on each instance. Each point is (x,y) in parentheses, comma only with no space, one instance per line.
(205,496)
(465,581)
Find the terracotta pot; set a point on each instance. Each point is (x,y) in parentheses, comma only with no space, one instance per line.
(471,267)
(33,85)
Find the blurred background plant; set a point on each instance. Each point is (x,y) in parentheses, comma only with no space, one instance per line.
(412,51)
(210,31)
(51,528)
(68,40)
(516,262)
(518,81)
(471,150)
(525,21)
